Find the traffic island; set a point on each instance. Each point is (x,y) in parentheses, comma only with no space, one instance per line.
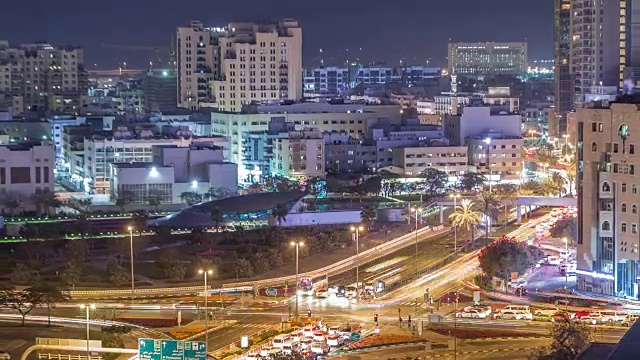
(474,334)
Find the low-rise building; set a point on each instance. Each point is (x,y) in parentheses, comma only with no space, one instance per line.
(346,154)
(504,154)
(174,170)
(24,170)
(432,155)
(299,155)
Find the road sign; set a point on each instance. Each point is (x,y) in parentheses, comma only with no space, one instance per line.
(149,349)
(514,275)
(271,292)
(195,350)
(172,350)
(476,297)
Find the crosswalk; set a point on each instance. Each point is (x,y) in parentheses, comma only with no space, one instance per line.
(256,327)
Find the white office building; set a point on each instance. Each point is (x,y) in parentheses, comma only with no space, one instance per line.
(26,169)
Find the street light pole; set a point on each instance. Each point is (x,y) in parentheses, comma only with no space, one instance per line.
(566,274)
(488,142)
(206,304)
(455,228)
(133,296)
(356,230)
(297,244)
(86,308)
(416,210)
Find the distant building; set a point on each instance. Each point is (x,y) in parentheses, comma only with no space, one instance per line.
(299,155)
(160,87)
(400,75)
(43,77)
(432,155)
(26,169)
(488,59)
(325,81)
(172,171)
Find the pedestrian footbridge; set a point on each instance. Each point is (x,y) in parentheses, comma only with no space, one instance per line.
(523,205)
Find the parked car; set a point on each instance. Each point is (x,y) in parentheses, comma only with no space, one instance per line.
(472,313)
(611,316)
(546,311)
(513,315)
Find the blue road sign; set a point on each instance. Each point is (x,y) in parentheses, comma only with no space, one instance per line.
(172,350)
(149,349)
(195,350)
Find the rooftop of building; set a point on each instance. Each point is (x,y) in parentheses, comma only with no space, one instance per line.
(24,145)
(257,205)
(291,107)
(627,348)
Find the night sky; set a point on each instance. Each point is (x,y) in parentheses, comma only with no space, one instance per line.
(385,30)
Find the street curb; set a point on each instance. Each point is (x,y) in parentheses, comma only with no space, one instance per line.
(507,338)
(431,356)
(378,347)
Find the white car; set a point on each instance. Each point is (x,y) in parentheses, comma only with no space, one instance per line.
(351,292)
(472,313)
(253,356)
(513,315)
(333,330)
(319,348)
(593,319)
(289,349)
(319,336)
(305,344)
(307,332)
(334,340)
(611,316)
(269,351)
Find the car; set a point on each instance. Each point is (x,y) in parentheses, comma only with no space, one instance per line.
(629,319)
(319,336)
(594,319)
(252,356)
(334,330)
(305,344)
(322,293)
(554,260)
(472,313)
(269,351)
(611,316)
(351,292)
(290,349)
(513,315)
(319,348)
(334,340)
(482,307)
(4,355)
(561,316)
(581,313)
(307,331)
(341,291)
(280,341)
(546,311)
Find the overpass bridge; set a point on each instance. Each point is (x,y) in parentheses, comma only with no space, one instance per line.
(523,204)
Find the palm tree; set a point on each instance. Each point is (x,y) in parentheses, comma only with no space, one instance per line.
(508,195)
(466,216)
(489,203)
(216,216)
(558,182)
(529,188)
(368,215)
(280,213)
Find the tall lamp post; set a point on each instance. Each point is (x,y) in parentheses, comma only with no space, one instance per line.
(416,211)
(86,308)
(356,230)
(133,296)
(297,245)
(206,304)
(455,197)
(488,142)
(566,274)
(566,143)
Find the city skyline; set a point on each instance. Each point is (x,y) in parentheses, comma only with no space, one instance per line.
(426,28)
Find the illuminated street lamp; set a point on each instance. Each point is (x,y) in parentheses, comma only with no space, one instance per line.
(86,308)
(356,230)
(206,304)
(297,245)
(133,296)
(566,273)
(416,211)
(488,142)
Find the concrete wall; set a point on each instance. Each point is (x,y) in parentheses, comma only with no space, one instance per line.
(321,218)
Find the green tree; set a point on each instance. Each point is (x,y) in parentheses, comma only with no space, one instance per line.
(44,200)
(571,175)
(71,273)
(11,201)
(23,301)
(154,198)
(244,268)
(190,198)
(466,217)
(48,294)
(76,250)
(433,181)
(530,188)
(568,339)
(471,181)
(488,202)
(558,182)
(83,225)
(368,215)
(506,255)
(82,206)
(116,273)
(260,262)
(172,268)
(280,213)
(22,274)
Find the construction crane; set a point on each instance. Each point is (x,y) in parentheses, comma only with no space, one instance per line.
(159,51)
